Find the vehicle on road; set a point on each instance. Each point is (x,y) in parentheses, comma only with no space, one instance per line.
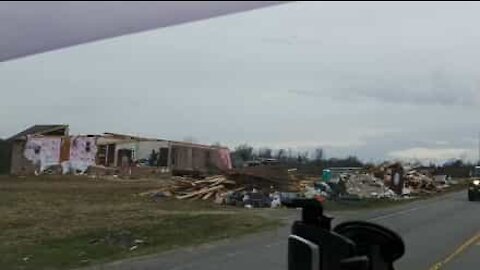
(474,185)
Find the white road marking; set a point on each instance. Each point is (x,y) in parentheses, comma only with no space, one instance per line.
(399,213)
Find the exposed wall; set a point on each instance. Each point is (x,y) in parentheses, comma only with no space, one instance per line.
(43,150)
(170,155)
(186,157)
(37,153)
(200,159)
(181,158)
(82,153)
(20,165)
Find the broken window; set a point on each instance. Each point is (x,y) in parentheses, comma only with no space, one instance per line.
(174,156)
(110,154)
(102,155)
(163,157)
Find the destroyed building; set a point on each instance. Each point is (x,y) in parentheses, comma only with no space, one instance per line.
(19,144)
(43,147)
(117,150)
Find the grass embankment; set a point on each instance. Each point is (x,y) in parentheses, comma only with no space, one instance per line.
(65,222)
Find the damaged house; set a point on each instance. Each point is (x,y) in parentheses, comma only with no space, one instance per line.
(25,156)
(45,147)
(117,150)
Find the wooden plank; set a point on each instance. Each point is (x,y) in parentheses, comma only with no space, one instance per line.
(238,189)
(216,183)
(196,197)
(223,181)
(230,182)
(206,181)
(200,192)
(208,195)
(214,177)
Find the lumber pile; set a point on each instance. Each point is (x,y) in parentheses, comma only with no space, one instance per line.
(186,188)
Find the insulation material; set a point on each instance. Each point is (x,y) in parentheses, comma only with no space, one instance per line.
(225,158)
(43,151)
(83,151)
(224,161)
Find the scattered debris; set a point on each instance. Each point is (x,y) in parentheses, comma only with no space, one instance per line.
(188,188)
(138,241)
(247,190)
(272,187)
(366,186)
(411,181)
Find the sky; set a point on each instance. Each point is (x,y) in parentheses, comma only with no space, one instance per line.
(375,80)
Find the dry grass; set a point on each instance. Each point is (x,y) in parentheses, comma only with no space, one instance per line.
(61,222)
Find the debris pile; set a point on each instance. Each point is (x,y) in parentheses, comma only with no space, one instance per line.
(268,179)
(365,186)
(423,183)
(260,187)
(405,180)
(247,190)
(189,188)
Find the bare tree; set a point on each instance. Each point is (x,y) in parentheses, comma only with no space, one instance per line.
(318,154)
(302,157)
(265,152)
(282,154)
(290,154)
(243,152)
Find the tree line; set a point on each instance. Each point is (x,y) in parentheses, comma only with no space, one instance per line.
(314,160)
(244,153)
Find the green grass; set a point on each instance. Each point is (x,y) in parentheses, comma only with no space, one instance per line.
(67,222)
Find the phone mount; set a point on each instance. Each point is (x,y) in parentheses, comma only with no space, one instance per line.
(356,245)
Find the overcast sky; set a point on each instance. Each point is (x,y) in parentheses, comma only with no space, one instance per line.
(377,80)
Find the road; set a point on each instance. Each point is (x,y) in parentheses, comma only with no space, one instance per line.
(439,233)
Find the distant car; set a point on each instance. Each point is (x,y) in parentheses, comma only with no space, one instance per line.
(474,185)
(474,190)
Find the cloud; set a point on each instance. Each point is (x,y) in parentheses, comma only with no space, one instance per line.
(311,144)
(433,154)
(441,143)
(366,80)
(433,86)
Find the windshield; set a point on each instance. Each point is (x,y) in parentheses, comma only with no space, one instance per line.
(194,139)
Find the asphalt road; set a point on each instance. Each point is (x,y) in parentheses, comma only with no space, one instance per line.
(440,233)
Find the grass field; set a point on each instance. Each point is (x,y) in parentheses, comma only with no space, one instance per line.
(66,222)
